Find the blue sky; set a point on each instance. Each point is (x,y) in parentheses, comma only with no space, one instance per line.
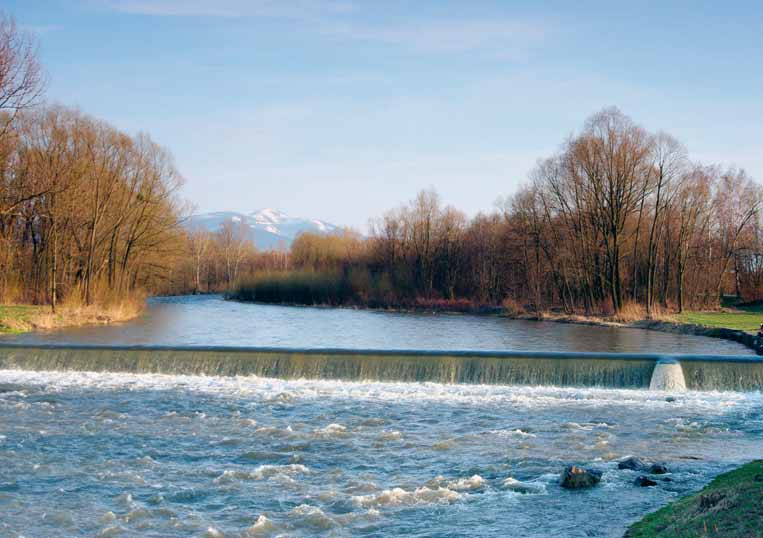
(340,109)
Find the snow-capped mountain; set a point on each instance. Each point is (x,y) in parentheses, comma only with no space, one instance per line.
(267,228)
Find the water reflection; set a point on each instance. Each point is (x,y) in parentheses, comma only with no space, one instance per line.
(210,320)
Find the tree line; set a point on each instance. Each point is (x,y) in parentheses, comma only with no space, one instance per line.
(86,211)
(618,216)
(213,261)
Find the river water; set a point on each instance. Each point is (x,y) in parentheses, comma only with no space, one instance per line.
(117,454)
(210,320)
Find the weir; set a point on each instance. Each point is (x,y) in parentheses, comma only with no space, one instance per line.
(615,370)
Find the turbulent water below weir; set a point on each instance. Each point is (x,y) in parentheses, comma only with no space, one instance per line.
(105,454)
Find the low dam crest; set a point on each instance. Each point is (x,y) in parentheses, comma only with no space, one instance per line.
(615,370)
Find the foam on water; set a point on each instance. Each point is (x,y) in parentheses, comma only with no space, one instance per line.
(262,527)
(532,488)
(263,472)
(402,497)
(284,390)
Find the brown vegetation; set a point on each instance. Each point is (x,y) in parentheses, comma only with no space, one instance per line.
(210,262)
(87,209)
(620,222)
(22,318)
(88,214)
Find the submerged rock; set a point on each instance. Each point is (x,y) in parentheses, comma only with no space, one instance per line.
(644,482)
(633,464)
(574,477)
(523,487)
(658,468)
(637,464)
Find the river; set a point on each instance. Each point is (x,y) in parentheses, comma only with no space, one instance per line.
(209,320)
(123,454)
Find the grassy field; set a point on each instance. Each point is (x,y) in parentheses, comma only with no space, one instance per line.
(731,506)
(17,318)
(743,318)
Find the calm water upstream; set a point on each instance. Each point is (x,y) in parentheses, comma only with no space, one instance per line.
(114,454)
(210,320)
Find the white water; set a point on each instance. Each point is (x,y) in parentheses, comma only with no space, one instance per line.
(169,455)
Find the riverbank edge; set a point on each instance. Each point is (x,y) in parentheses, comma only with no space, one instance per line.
(731,505)
(748,340)
(18,319)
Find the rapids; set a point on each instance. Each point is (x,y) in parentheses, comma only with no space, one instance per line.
(106,454)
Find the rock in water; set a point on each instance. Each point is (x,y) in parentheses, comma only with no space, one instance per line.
(645,482)
(637,464)
(658,468)
(574,477)
(633,464)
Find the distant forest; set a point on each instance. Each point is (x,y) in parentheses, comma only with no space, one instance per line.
(618,217)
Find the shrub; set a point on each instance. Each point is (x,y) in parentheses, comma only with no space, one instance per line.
(296,287)
(511,307)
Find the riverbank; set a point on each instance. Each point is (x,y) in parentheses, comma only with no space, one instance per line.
(667,324)
(730,506)
(15,319)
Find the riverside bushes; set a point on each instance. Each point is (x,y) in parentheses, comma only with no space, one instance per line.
(298,287)
(352,287)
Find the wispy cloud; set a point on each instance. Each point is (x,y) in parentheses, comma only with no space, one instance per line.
(448,35)
(230,8)
(344,19)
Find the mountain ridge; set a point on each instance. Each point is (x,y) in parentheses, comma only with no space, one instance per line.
(267,228)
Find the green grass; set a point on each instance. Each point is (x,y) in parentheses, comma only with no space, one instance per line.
(731,506)
(15,318)
(747,318)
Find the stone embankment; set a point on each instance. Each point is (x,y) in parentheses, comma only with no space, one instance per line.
(746,339)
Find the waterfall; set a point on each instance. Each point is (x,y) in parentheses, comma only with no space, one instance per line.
(477,367)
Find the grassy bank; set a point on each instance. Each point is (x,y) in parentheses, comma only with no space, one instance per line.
(740,318)
(731,506)
(18,318)
(23,318)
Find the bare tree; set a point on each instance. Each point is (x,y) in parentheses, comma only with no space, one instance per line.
(233,242)
(670,162)
(21,78)
(199,241)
